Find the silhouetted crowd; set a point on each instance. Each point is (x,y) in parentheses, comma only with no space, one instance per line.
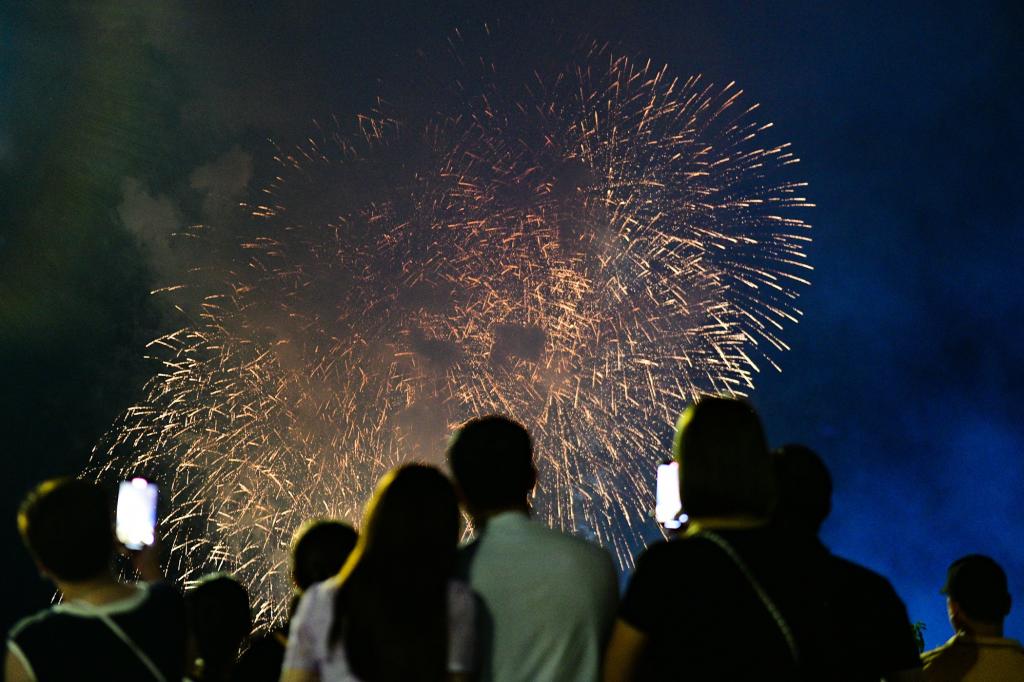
(745,590)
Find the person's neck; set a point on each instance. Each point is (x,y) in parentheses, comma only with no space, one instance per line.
(102,589)
(481,517)
(976,629)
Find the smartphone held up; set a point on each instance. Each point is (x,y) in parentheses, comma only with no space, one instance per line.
(135,523)
(668,505)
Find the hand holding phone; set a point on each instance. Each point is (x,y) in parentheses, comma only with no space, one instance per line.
(668,505)
(135,524)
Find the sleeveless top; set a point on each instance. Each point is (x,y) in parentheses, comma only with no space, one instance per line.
(141,637)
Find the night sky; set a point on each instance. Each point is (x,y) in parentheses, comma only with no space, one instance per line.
(119,125)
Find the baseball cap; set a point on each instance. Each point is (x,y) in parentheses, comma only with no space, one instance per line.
(978,584)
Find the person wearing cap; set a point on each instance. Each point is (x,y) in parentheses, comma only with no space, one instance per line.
(977,600)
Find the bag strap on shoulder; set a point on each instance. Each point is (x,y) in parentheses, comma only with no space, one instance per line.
(124,637)
(783,626)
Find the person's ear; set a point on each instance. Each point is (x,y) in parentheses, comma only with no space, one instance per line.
(953,609)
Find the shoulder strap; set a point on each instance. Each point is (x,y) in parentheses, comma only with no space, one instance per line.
(123,636)
(787,634)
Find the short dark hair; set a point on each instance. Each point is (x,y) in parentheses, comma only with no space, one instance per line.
(724,467)
(319,550)
(491,459)
(219,620)
(66,524)
(805,488)
(978,584)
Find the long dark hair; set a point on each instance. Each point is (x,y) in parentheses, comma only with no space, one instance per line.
(390,613)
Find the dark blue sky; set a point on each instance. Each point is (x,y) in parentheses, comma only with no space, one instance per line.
(906,373)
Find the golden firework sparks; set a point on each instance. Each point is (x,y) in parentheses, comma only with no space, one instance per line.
(586,255)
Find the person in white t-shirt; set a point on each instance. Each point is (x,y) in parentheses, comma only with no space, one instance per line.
(549,599)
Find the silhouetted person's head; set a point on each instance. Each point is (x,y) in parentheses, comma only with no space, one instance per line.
(66,526)
(491,459)
(320,548)
(724,466)
(805,489)
(413,513)
(217,610)
(977,595)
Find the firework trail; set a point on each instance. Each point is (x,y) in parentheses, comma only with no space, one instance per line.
(585,253)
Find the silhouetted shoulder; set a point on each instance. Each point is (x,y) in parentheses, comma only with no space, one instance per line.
(929,658)
(580,545)
(951,661)
(37,621)
(664,563)
(153,617)
(861,580)
(871,619)
(676,551)
(976,658)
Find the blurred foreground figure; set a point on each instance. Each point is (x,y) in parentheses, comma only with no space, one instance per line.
(549,598)
(217,612)
(393,614)
(320,548)
(866,634)
(103,629)
(978,600)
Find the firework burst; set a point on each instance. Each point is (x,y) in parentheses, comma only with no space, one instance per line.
(585,253)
